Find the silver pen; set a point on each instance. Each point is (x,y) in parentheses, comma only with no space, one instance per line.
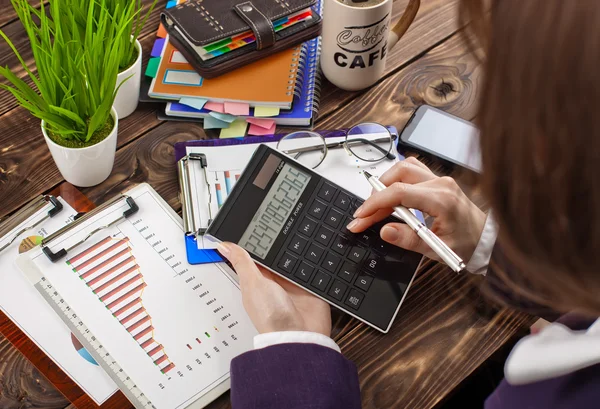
(437,245)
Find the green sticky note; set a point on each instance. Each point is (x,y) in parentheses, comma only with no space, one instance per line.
(152,67)
(266,111)
(237,129)
(211,122)
(223,117)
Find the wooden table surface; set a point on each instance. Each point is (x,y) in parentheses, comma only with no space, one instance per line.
(442,333)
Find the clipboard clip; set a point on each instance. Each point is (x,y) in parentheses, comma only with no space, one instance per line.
(185,188)
(57,255)
(28,211)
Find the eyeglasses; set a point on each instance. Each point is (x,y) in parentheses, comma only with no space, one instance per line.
(369,142)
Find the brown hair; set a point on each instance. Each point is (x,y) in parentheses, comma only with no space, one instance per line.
(540,139)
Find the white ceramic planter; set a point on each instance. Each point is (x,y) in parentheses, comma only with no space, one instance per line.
(89,166)
(128,96)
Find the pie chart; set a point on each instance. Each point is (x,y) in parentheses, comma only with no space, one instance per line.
(82,351)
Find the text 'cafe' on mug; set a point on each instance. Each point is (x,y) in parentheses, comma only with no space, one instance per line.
(357,39)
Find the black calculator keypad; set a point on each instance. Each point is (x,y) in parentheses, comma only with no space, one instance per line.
(308,227)
(304,271)
(348,271)
(340,245)
(334,218)
(354,299)
(343,201)
(298,245)
(317,209)
(320,281)
(331,262)
(324,236)
(337,290)
(357,254)
(314,253)
(364,282)
(327,192)
(287,262)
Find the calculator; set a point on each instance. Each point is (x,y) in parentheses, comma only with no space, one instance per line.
(293,222)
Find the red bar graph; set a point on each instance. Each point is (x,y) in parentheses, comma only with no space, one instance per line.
(110,270)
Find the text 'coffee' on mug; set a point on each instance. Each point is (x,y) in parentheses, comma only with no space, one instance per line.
(357,38)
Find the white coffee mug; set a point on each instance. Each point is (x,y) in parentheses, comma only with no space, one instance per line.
(356,41)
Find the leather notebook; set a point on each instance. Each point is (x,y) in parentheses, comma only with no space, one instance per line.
(196,26)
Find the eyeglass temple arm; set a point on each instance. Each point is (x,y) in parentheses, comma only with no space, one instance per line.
(387,154)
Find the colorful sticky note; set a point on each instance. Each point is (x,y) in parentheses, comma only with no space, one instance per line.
(210,122)
(171,3)
(263,123)
(214,106)
(265,111)
(223,117)
(152,67)
(159,44)
(260,131)
(162,33)
(236,129)
(196,103)
(237,108)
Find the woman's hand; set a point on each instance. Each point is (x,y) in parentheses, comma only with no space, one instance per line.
(458,221)
(273,303)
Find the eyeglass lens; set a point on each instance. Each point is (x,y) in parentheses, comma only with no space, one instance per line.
(308,148)
(370,142)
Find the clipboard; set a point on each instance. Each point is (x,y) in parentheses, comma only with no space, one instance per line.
(183,159)
(46,366)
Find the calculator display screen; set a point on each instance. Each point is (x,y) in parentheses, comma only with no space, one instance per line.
(274,211)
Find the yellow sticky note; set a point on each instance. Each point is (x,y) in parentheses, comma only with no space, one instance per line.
(237,129)
(266,111)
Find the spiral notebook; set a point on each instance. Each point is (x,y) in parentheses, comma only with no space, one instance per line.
(268,82)
(305,106)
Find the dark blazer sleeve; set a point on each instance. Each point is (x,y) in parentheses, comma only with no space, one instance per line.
(294,376)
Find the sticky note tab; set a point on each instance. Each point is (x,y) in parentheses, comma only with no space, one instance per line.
(159,44)
(266,111)
(223,117)
(237,108)
(210,122)
(196,103)
(260,131)
(236,129)
(214,106)
(162,33)
(263,123)
(152,67)
(171,3)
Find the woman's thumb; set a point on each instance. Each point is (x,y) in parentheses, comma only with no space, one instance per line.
(240,260)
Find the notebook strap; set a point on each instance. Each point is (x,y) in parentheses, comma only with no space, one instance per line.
(260,24)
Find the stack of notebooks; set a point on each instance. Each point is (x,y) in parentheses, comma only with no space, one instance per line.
(282,89)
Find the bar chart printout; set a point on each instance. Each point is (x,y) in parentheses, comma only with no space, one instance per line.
(110,270)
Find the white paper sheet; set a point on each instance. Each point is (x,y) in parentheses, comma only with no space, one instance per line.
(172,327)
(30,312)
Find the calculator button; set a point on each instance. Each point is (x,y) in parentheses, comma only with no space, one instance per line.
(347,221)
(308,227)
(357,203)
(374,261)
(337,290)
(354,299)
(334,218)
(347,271)
(366,237)
(304,271)
(287,262)
(342,201)
(327,192)
(314,253)
(364,282)
(298,244)
(320,281)
(324,236)
(340,245)
(331,262)
(317,209)
(357,254)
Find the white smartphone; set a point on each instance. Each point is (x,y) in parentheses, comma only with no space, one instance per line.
(433,131)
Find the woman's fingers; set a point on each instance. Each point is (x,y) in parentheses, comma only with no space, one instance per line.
(362,224)
(420,196)
(401,235)
(241,261)
(409,170)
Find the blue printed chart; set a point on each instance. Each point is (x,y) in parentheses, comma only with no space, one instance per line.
(223,184)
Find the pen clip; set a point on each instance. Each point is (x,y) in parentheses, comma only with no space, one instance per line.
(57,255)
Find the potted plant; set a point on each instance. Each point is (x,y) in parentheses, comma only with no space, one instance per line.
(75,85)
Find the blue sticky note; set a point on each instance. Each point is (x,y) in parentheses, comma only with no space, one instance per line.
(223,117)
(171,3)
(210,122)
(158,47)
(196,103)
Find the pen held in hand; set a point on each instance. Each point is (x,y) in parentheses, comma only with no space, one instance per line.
(431,239)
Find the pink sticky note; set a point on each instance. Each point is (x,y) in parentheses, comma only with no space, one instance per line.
(260,131)
(237,108)
(215,106)
(263,123)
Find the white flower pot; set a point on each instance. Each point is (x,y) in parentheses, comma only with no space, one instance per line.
(89,166)
(128,96)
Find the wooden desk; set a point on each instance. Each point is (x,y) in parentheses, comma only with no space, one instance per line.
(440,335)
